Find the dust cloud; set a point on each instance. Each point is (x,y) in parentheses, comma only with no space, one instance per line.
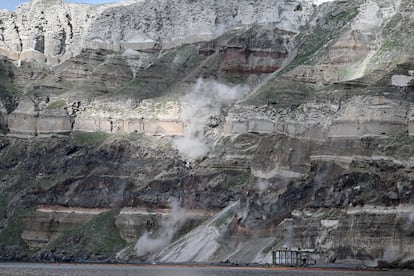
(205,101)
(152,242)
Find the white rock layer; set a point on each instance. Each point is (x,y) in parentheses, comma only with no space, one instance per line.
(55,31)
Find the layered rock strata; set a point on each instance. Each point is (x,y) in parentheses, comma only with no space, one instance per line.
(306,119)
(48,223)
(53,31)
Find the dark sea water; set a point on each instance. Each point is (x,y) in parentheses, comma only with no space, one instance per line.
(156,270)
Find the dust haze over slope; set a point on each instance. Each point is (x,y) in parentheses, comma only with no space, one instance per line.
(200,107)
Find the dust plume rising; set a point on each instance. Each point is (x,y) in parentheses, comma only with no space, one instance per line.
(152,242)
(205,101)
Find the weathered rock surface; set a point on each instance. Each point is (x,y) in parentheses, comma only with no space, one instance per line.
(54,31)
(305,123)
(46,224)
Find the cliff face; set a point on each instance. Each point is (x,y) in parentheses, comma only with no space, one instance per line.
(55,31)
(208,131)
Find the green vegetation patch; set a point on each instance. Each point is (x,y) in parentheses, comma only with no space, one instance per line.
(57,105)
(10,156)
(8,90)
(99,238)
(239,180)
(49,182)
(222,144)
(312,47)
(11,242)
(4,200)
(162,76)
(275,244)
(402,145)
(327,30)
(283,93)
(397,39)
(89,138)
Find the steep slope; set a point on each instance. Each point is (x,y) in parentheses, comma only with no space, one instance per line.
(208,131)
(55,31)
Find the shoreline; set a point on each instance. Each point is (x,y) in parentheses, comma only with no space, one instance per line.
(147,269)
(246,266)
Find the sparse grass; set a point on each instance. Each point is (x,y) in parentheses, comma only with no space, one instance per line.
(239,180)
(163,74)
(270,247)
(89,138)
(343,16)
(135,82)
(98,238)
(401,145)
(312,46)
(223,143)
(397,39)
(310,43)
(11,235)
(57,105)
(283,92)
(47,183)
(10,156)
(3,204)
(131,137)
(5,80)
(7,90)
